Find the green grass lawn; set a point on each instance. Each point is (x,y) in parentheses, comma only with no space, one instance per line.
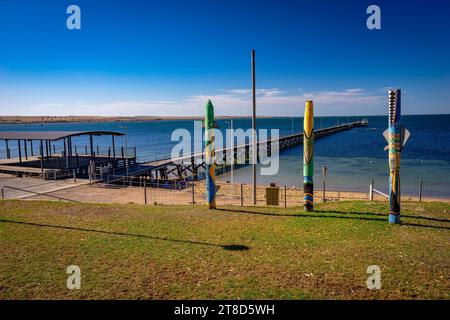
(184,252)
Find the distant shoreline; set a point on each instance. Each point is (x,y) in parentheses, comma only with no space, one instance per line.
(88,119)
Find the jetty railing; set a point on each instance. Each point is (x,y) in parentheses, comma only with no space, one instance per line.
(284,142)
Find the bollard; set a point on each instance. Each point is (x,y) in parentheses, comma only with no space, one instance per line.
(74,176)
(3,194)
(242,195)
(285,196)
(420,191)
(323,192)
(324,174)
(145,191)
(193,194)
(371,191)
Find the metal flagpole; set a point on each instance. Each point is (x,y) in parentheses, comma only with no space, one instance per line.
(254,155)
(231,143)
(232,152)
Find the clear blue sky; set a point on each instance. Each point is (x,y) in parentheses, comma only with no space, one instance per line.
(168,57)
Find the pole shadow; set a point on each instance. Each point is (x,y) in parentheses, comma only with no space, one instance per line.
(340,216)
(384,215)
(229,247)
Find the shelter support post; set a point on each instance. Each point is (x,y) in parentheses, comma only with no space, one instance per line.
(8,153)
(113,147)
(20,151)
(42,160)
(26,149)
(91,145)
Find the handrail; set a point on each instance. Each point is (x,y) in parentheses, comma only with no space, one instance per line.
(36,193)
(167,157)
(379,192)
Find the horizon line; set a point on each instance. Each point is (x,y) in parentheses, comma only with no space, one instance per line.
(201,116)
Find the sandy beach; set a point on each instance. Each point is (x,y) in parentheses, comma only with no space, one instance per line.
(228,194)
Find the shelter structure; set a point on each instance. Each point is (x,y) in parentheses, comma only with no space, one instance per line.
(45,161)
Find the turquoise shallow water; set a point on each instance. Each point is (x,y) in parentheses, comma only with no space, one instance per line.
(353,157)
(355,174)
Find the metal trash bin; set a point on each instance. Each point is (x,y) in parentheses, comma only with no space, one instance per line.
(273,195)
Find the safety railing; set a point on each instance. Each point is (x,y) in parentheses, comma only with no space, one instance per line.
(173,192)
(46,194)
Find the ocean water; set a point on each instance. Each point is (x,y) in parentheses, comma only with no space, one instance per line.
(353,157)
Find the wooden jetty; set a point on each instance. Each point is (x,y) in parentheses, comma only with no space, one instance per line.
(188,167)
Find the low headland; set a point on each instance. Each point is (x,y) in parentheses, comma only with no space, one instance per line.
(87,119)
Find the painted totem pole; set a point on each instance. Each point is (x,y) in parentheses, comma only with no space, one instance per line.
(308,153)
(396,137)
(210,156)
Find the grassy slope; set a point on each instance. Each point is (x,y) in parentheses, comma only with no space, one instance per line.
(132,251)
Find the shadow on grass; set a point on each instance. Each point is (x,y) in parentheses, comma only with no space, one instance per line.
(372,216)
(230,247)
(383,215)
